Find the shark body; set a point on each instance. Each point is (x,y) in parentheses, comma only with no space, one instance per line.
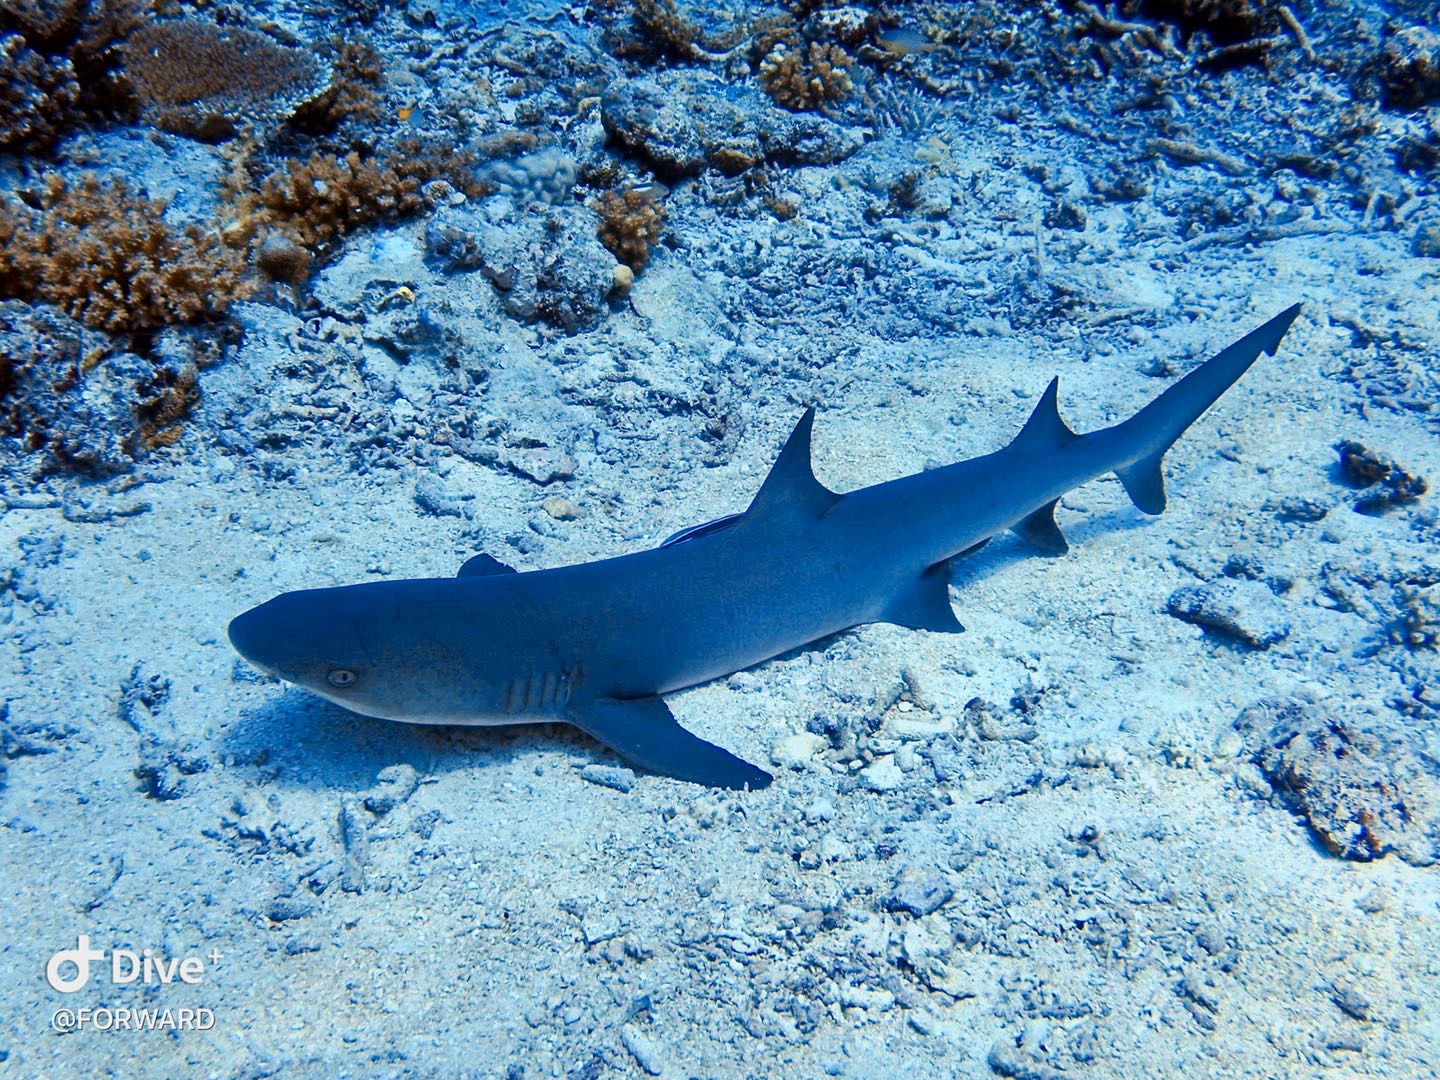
(596,645)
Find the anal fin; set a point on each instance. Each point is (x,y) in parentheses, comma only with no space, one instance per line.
(645,733)
(1145,484)
(1040,530)
(925,604)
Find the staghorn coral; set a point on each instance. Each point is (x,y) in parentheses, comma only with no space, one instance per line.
(1222,33)
(630,223)
(801,81)
(768,31)
(206,81)
(105,256)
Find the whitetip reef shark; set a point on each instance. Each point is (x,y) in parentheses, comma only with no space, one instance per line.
(597,645)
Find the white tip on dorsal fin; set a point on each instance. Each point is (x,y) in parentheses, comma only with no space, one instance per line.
(1045,430)
(791,484)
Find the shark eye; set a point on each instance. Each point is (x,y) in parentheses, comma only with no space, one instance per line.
(341,677)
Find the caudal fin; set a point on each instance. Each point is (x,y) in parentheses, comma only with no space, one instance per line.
(1154,429)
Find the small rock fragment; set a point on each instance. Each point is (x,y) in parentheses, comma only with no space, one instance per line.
(1296,508)
(356,844)
(1006,1059)
(882,776)
(860,997)
(1361,802)
(609,776)
(1349,1001)
(795,751)
(561,509)
(285,908)
(1244,610)
(393,785)
(642,1049)
(1384,483)
(1426,244)
(920,897)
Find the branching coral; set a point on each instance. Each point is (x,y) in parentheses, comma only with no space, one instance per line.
(164,402)
(106,257)
(660,30)
(71,401)
(1227,21)
(801,80)
(319,200)
(661,23)
(58,61)
(36,96)
(199,79)
(630,223)
(353,93)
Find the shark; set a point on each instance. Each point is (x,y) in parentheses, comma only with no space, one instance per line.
(597,645)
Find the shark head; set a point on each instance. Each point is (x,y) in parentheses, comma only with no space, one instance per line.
(310,638)
(401,650)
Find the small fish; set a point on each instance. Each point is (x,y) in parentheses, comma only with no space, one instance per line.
(902,40)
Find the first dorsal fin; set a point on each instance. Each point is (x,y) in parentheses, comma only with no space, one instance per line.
(1045,430)
(483,565)
(791,485)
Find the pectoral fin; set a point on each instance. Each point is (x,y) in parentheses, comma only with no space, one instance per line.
(925,604)
(1040,529)
(645,733)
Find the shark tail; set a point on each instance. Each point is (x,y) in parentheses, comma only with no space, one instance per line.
(1156,427)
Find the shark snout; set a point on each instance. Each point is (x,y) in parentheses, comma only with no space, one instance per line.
(253,637)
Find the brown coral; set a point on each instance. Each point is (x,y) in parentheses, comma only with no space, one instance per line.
(661,23)
(36,97)
(199,79)
(58,63)
(630,223)
(164,404)
(318,201)
(806,80)
(658,29)
(1227,21)
(353,93)
(106,257)
(1409,68)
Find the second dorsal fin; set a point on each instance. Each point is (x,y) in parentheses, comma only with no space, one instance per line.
(1045,430)
(791,485)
